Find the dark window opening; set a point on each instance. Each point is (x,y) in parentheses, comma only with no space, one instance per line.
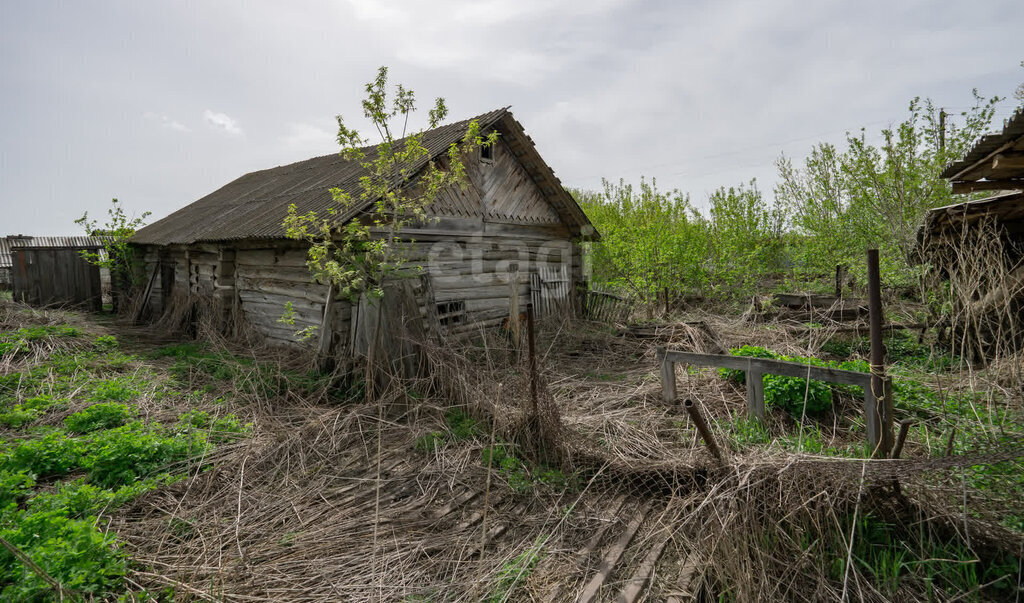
(487,154)
(451,312)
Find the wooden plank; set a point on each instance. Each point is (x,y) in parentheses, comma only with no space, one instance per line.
(609,518)
(636,583)
(611,559)
(775,367)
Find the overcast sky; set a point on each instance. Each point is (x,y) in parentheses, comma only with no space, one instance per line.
(159,104)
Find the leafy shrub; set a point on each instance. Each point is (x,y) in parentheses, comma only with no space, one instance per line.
(72,551)
(98,416)
(28,411)
(79,499)
(52,454)
(461,425)
(116,390)
(14,486)
(841,348)
(198,419)
(124,454)
(105,343)
(788,393)
(220,429)
(13,348)
(18,416)
(747,351)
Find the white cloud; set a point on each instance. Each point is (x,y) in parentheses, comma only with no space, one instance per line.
(223,121)
(167,122)
(308,137)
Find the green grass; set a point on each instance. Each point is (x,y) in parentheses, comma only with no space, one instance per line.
(13,343)
(890,553)
(515,572)
(57,476)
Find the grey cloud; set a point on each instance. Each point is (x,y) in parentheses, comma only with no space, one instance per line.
(697,94)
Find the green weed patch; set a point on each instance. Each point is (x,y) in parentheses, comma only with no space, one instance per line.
(98,416)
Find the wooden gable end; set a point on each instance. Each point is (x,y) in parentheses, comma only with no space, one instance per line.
(500,191)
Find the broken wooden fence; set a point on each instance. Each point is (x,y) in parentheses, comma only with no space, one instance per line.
(877,415)
(550,290)
(601,305)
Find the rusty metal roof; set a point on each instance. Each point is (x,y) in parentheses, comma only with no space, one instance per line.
(254,206)
(6,243)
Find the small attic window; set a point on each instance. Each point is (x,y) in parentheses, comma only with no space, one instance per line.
(487,154)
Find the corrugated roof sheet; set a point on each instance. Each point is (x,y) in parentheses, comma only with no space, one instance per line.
(254,206)
(987,144)
(6,243)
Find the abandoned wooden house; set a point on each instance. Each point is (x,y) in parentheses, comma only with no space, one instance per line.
(513,233)
(978,245)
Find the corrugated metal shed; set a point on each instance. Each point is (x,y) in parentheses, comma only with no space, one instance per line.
(254,206)
(6,243)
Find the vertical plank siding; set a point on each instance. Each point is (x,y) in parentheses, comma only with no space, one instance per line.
(55,276)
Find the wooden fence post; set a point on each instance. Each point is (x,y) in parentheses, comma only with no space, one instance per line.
(668,377)
(755,394)
(879,420)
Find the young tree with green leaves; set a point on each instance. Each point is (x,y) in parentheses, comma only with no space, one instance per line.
(116,256)
(843,201)
(400,180)
(745,235)
(650,239)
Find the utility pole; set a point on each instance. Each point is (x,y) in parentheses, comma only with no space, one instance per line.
(942,129)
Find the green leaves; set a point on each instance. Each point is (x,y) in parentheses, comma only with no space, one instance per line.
(844,200)
(651,239)
(117,255)
(98,416)
(73,551)
(357,249)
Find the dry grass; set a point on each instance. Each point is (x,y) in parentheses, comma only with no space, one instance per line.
(334,498)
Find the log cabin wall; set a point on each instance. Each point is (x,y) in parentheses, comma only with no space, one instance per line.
(266,279)
(472,261)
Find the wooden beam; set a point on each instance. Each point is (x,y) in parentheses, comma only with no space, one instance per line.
(1004,161)
(970,168)
(767,365)
(1007,184)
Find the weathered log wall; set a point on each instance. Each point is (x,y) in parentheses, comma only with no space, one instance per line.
(472,263)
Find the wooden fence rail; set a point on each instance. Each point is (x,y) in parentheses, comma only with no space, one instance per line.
(876,415)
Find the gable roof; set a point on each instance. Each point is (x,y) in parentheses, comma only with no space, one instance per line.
(255,205)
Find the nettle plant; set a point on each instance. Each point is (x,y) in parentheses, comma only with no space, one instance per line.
(401,179)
